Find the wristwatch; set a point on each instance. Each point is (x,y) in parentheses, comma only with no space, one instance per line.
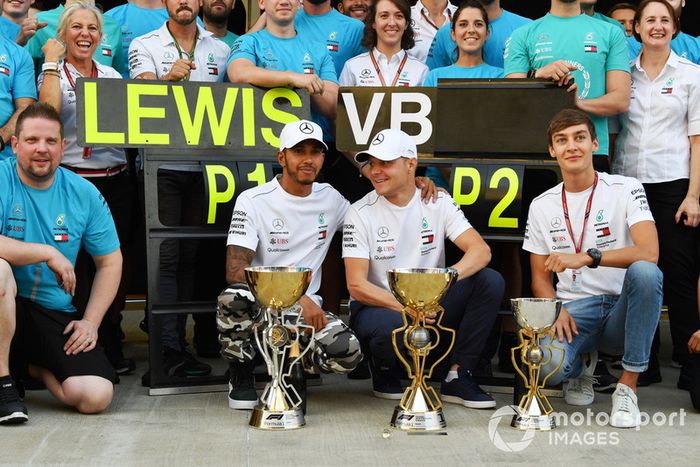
(596,255)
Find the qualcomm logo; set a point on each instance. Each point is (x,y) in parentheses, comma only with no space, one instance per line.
(507,413)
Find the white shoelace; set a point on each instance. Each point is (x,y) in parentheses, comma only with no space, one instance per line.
(577,385)
(624,401)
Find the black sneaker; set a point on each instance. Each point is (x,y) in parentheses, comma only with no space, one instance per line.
(361,371)
(652,375)
(12,410)
(241,386)
(604,381)
(464,391)
(183,364)
(123,366)
(386,383)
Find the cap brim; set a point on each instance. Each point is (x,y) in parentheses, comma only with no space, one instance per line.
(301,140)
(363,156)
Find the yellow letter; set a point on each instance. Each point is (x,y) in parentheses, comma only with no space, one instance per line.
(93,136)
(215,197)
(135,113)
(277,115)
(192,127)
(248,117)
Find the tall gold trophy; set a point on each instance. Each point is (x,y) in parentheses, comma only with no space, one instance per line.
(277,289)
(535,316)
(420,292)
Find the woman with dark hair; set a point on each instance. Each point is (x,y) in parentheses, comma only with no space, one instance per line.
(388,35)
(470,29)
(659,144)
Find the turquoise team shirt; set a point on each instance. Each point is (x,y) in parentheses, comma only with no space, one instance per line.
(594,47)
(443,50)
(228,39)
(134,21)
(341,34)
(455,71)
(69,214)
(108,52)
(684,45)
(16,81)
(299,54)
(8,29)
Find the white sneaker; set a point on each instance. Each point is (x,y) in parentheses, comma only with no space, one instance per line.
(625,411)
(579,391)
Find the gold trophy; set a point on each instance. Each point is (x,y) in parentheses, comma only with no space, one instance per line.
(276,289)
(535,316)
(420,292)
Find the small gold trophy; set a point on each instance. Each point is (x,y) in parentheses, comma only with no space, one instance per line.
(535,316)
(420,292)
(277,289)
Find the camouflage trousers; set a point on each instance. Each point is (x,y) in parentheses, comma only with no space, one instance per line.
(334,349)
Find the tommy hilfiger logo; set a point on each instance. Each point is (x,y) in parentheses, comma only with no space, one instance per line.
(602,232)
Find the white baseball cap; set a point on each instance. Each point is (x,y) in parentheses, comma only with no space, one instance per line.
(388,145)
(295,132)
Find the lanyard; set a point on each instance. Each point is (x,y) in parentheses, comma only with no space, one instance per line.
(379,72)
(430,22)
(578,245)
(87,151)
(180,53)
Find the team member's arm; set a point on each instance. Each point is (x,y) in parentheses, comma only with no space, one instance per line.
(361,289)
(23,91)
(30,25)
(83,332)
(616,99)
(543,287)
(690,207)
(142,65)
(324,94)
(477,253)
(617,80)
(237,259)
(50,83)
(23,253)
(356,254)
(645,248)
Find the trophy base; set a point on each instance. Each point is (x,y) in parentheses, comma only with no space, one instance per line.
(418,421)
(533,422)
(279,420)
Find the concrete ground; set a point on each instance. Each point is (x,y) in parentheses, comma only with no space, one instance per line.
(346,425)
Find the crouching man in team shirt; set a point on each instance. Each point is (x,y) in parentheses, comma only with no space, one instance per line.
(391,228)
(596,232)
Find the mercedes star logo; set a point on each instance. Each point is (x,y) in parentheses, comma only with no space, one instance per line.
(278,224)
(306,128)
(556,222)
(365,73)
(383,232)
(379,139)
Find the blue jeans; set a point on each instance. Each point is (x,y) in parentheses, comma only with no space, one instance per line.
(614,324)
